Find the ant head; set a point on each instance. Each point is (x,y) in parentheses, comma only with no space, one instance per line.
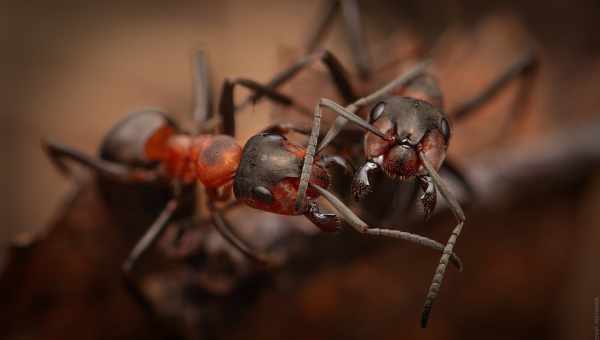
(412,126)
(217,159)
(268,174)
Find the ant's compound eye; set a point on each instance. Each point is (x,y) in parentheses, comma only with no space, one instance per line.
(262,194)
(445,129)
(377,111)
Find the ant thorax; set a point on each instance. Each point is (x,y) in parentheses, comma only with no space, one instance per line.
(210,159)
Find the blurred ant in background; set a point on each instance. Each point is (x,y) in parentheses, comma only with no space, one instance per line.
(149,147)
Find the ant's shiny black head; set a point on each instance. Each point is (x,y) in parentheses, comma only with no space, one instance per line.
(412,125)
(269,171)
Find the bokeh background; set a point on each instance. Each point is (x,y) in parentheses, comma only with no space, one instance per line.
(70,70)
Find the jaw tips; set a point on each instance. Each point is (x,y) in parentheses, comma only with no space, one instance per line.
(425,315)
(359,191)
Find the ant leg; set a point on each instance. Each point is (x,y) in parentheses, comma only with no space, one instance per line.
(203,90)
(353,27)
(333,65)
(227,103)
(448,249)
(363,228)
(526,67)
(450,167)
(228,233)
(413,73)
(351,16)
(147,240)
(324,21)
(58,153)
(285,128)
(151,235)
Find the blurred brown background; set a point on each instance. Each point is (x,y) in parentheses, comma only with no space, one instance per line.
(72,69)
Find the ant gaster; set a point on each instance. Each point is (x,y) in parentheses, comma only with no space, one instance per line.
(407,136)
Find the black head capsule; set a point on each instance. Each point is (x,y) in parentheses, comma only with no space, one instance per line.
(414,125)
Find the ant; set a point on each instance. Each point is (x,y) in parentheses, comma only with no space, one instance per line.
(407,136)
(148,147)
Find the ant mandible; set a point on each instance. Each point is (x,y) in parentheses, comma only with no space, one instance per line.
(407,136)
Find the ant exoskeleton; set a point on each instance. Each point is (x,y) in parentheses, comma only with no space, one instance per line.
(407,136)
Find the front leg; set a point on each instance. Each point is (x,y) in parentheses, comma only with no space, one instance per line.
(325,221)
(429,197)
(362,185)
(454,206)
(362,227)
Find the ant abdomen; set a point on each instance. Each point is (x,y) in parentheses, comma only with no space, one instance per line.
(131,140)
(126,144)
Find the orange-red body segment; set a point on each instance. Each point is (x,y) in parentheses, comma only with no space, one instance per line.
(210,159)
